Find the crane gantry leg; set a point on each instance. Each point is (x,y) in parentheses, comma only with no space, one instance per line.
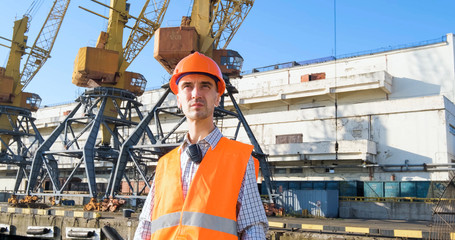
(24,137)
(75,139)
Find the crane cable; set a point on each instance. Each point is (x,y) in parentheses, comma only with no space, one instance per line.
(190,8)
(30,13)
(336,94)
(33,8)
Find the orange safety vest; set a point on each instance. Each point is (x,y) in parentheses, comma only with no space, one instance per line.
(209,209)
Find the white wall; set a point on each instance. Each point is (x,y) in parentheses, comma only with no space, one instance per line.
(420,71)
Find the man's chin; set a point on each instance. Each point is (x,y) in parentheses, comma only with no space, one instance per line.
(197,116)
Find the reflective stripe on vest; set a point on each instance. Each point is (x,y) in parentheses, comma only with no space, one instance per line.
(195,219)
(165,221)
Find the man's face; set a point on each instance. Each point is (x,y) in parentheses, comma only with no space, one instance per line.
(197,96)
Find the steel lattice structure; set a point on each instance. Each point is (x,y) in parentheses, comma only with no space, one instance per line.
(79,131)
(25,139)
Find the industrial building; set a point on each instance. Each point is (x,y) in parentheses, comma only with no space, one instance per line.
(366,135)
(394,119)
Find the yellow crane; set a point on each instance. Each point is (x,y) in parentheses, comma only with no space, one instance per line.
(106,64)
(109,103)
(16,105)
(12,80)
(208,30)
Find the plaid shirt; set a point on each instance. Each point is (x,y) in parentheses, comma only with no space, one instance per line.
(251,220)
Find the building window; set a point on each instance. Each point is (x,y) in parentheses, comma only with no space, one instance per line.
(451,129)
(289,138)
(280,170)
(11,174)
(312,77)
(102,171)
(296,170)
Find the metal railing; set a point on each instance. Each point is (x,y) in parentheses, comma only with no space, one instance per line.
(395,47)
(343,56)
(58,104)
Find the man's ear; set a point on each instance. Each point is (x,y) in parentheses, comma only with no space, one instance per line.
(218,99)
(179,105)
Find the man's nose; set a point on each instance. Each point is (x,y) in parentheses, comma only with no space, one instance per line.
(195,93)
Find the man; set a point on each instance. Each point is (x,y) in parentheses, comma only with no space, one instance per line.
(206,188)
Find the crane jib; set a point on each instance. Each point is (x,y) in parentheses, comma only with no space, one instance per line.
(40,51)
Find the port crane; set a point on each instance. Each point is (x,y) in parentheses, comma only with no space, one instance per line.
(208,30)
(18,133)
(107,107)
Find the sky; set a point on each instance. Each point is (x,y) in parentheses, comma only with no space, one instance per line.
(273,32)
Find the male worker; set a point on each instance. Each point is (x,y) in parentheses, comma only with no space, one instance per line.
(206,188)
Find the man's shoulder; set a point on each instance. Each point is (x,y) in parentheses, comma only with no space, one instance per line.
(169,155)
(234,144)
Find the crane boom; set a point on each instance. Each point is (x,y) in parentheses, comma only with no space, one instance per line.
(40,51)
(229,15)
(217,21)
(147,23)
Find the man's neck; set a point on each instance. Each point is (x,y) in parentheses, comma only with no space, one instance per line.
(198,130)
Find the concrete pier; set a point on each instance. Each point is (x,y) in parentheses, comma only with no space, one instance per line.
(60,220)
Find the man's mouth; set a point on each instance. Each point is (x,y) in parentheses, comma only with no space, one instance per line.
(197,104)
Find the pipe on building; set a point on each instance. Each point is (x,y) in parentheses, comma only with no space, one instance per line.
(443,169)
(402,167)
(403,170)
(440,164)
(333,166)
(425,167)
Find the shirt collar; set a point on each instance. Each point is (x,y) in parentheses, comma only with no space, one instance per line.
(213,138)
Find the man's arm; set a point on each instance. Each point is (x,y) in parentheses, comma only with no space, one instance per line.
(251,221)
(143,230)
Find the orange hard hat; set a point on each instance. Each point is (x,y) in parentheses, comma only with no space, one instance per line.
(197,63)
